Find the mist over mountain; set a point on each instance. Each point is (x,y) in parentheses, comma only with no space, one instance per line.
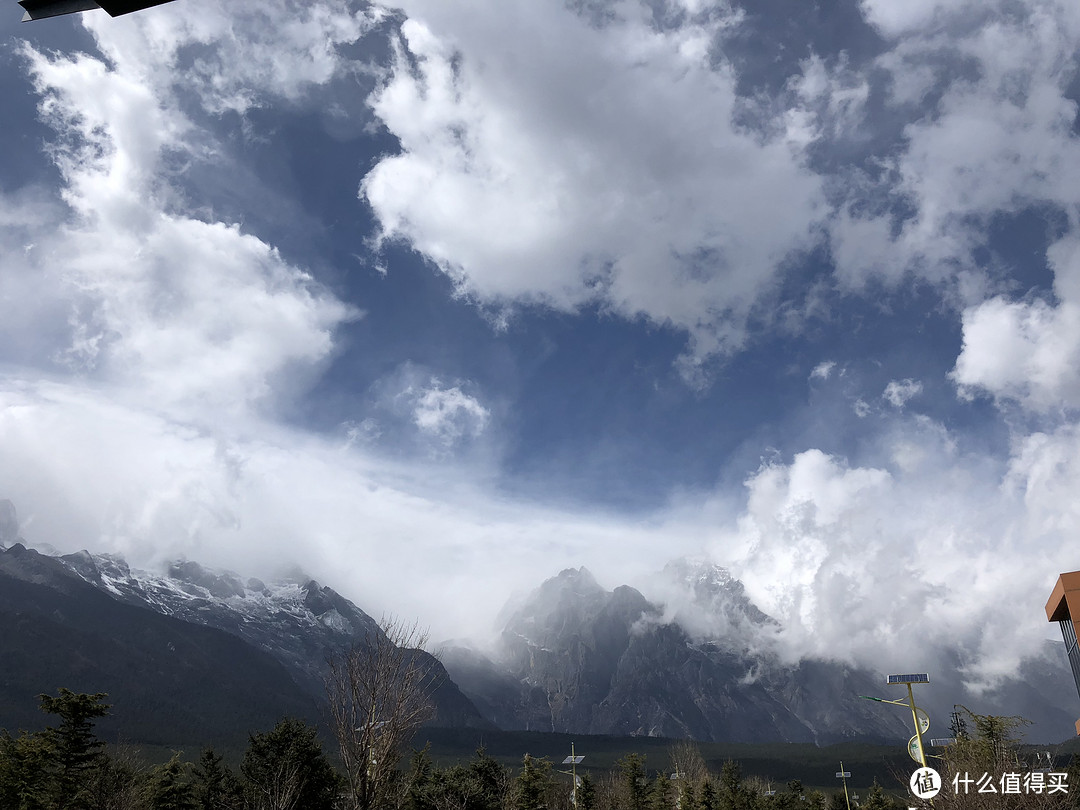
(575,657)
(9,524)
(696,658)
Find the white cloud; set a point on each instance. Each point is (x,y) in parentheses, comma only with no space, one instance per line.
(549,160)
(449,414)
(893,19)
(545,160)
(999,140)
(903,567)
(196,315)
(823,370)
(1027,351)
(235,56)
(95,469)
(898,392)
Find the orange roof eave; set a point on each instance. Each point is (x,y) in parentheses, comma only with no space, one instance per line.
(1066,591)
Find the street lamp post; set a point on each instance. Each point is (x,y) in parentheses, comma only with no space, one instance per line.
(573,761)
(916,749)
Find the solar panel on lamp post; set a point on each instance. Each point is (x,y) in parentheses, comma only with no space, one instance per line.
(573,761)
(916,748)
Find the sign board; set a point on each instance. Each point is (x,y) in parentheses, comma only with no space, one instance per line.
(914,751)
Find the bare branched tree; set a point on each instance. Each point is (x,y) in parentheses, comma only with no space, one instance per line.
(380,692)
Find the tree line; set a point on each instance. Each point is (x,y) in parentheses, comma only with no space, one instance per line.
(65,767)
(379,693)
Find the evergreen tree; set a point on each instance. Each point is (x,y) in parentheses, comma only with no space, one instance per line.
(169,788)
(24,771)
(490,779)
(708,795)
(286,769)
(586,793)
(733,795)
(215,786)
(421,781)
(632,772)
(73,748)
(686,800)
(660,793)
(533,784)
(876,799)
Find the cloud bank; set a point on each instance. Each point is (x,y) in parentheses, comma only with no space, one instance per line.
(556,160)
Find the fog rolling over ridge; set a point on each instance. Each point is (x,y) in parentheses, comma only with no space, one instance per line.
(573,657)
(432,302)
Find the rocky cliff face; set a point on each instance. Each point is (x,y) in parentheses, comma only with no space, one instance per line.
(574,657)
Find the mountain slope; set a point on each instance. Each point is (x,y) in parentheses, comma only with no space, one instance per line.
(170,682)
(298,624)
(574,657)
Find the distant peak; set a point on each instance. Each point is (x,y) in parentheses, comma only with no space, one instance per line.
(222,585)
(581,574)
(578,581)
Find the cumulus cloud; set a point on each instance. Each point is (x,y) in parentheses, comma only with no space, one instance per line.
(1027,351)
(449,414)
(545,158)
(552,159)
(999,139)
(195,314)
(898,392)
(906,565)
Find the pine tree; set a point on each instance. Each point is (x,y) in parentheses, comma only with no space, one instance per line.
(421,781)
(286,769)
(490,780)
(708,795)
(876,799)
(214,784)
(586,793)
(24,771)
(632,772)
(660,793)
(533,784)
(733,795)
(74,749)
(169,788)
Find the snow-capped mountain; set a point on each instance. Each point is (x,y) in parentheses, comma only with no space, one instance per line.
(202,652)
(298,622)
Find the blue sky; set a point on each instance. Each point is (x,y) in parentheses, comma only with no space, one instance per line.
(433,300)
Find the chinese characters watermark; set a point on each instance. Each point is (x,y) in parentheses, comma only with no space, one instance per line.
(1012,782)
